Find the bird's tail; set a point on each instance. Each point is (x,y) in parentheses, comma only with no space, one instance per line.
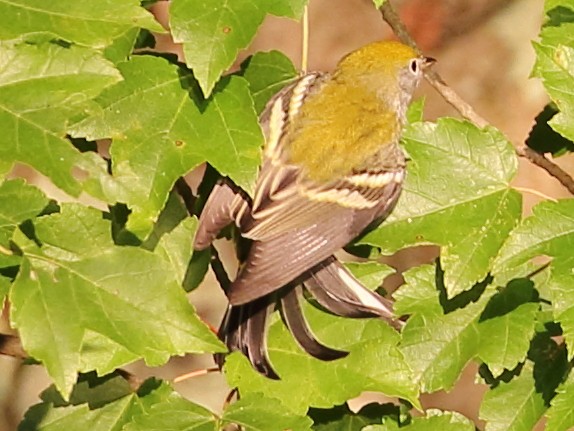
(244,327)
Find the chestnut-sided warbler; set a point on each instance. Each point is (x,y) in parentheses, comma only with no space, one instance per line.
(332,168)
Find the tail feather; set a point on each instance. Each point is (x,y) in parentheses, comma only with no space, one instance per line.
(293,316)
(336,289)
(244,328)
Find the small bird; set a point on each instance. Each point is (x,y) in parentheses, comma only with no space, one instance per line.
(332,169)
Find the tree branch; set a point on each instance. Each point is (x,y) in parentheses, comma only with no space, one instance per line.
(394,21)
(553,169)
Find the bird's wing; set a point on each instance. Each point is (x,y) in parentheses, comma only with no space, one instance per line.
(295,224)
(226,204)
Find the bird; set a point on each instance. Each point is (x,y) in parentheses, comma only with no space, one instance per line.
(332,169)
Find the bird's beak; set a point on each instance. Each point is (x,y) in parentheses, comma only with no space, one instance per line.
(427,62)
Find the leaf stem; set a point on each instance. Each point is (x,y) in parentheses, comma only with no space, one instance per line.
(305,40)
(534,192)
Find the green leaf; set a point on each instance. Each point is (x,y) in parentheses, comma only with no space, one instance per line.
(212,34)
(434,420)
(342,418)
(267,73)
(560,414)
(513,406)
(42,86)
(379,3)
(555,64)
(437,347)
(457,194)
(419,294)
(374,364)
(82,303)
(176,247)
(86,23)
(507,326)
(549,232)
(415,111)
(162,129)
(255,412)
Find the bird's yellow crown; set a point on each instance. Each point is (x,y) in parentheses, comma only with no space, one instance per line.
(378,56)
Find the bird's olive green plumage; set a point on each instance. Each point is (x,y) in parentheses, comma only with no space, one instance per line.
(353,116)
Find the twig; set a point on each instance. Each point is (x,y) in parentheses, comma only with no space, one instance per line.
(553,169)
(195,373)
(392,18)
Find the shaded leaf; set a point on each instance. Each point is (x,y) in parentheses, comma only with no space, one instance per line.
(543,139)
(548,232)
(513,406)
(267,73)
(342,418)
(507,326)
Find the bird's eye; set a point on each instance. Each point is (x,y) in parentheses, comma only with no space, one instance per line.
(414,66)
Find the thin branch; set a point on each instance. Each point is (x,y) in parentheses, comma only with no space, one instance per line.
(392,18)
(196,373)
(553,169)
